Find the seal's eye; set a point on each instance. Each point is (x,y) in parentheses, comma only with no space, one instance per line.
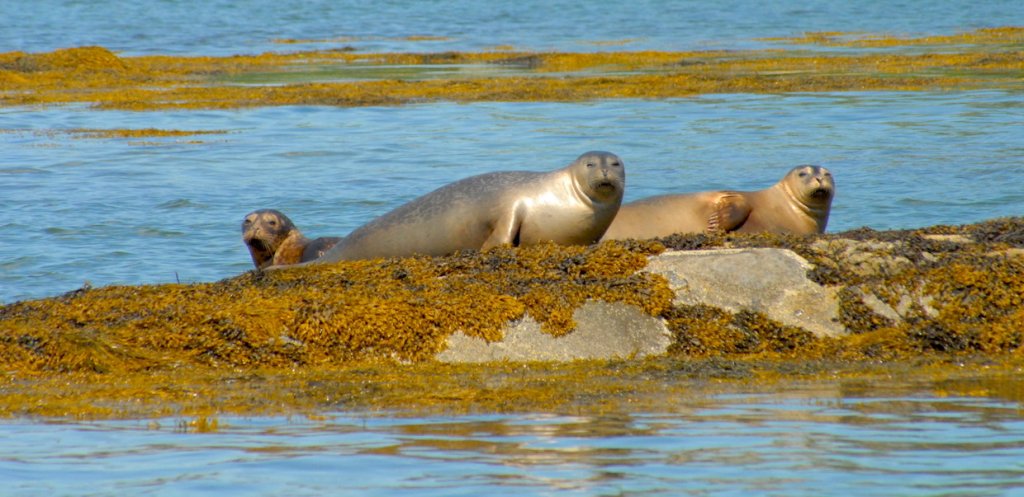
(590,164)
(272,222)
(616,164)
(803,174)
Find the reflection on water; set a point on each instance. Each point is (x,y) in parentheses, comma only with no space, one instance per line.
(154,210)
(810,439)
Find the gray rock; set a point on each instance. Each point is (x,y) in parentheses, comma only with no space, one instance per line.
(770,281)
(879,307)
(603,331)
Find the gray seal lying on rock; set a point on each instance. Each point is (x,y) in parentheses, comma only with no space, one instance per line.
(569,206)
(799,203)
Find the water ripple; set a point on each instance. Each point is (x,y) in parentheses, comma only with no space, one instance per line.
(794,443)
(893,169)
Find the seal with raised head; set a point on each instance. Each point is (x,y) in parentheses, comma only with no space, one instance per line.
(569,206)
(799,203)
(273,240)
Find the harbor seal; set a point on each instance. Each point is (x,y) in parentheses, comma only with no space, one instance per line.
(799,203)
(273,240)
(569,206)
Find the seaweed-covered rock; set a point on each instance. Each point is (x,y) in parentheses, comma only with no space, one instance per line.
(857,294)
(608,321)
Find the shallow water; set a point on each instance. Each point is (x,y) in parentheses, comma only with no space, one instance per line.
(810,439)
(228,28)
(165,209)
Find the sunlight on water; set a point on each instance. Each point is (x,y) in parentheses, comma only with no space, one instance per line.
(163,209)
(804,442)
(172,27)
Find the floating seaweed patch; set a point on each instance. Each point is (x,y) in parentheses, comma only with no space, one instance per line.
(1007,35)
(137,133)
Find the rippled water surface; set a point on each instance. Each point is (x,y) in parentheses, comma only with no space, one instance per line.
(254,26)
(152,210)
(80,209)
(808,440)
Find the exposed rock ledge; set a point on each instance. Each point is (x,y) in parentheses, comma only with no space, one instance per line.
(770,281)
(603,331)
(860,295)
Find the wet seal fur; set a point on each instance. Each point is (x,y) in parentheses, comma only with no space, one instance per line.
(799,204)
(273,240)
(570,206)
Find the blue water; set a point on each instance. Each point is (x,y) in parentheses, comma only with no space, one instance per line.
(224,27)
(805,441)
(157,210)
(77,210)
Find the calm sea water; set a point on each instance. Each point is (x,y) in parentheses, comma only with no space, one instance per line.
(223,27)
(810,439)
(155,210)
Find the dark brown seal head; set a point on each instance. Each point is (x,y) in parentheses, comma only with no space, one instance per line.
(273,240)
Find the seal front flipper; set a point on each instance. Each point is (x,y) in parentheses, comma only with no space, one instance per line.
(506,229)
(728,212)
(317,248)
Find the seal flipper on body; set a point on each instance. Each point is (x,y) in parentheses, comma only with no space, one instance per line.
(506,229)
(731,210)
(318,247)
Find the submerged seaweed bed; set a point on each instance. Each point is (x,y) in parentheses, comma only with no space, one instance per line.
(985,58)
(362,335)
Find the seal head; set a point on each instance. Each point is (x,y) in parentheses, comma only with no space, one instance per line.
(812,186)
(273,240)
(600,176)
(263,232)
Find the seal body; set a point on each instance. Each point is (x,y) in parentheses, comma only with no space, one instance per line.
(799,203)
(273,240)
(569,206)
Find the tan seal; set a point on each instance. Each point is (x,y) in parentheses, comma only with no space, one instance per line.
(799,203)
(569,206)
(273,240)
